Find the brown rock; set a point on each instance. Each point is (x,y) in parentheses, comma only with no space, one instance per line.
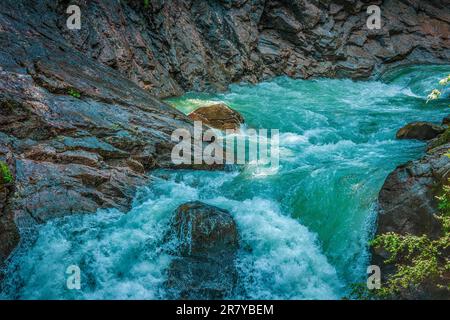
(218,116)
(420,131)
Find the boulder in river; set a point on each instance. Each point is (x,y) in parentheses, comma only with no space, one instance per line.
(218,116)
(420,131)
(207,243)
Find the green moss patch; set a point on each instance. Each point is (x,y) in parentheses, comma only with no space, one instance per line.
(5,173)
(74,93)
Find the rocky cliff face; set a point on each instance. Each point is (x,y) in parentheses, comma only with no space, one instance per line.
(408,205)
(76,134)
(79,125)
(173,46)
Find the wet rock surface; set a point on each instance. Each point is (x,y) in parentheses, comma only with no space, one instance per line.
(420,131)
(446,120)
(206,240)
(407,202)
(218,116)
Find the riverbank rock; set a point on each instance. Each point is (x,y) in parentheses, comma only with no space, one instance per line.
(77,135)
(407,202)
(207,243)
(408,205)
(420,131)
(218,116)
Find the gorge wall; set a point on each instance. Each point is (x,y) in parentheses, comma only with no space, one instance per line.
(173,46)
(79,124)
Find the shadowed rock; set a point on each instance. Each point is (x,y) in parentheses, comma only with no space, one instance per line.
(218,116)
(420,131)
(207,241)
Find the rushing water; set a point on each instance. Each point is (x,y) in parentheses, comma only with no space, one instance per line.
(303,228)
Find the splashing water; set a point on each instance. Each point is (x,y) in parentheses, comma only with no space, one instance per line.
(303,228)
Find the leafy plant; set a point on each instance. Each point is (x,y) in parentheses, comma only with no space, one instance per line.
(418,259)
(74,93)
(146,3)
(359,291)
(5,173)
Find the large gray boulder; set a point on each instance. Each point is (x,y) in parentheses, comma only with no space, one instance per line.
(206,240)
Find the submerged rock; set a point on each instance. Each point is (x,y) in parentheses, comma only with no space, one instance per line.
(420,131)
(207,242)
(218,116)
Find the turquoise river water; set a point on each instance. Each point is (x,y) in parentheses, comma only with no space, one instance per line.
(304,228)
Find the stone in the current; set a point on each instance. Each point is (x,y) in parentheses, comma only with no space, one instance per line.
(207,243)
(420,131)
(218,116)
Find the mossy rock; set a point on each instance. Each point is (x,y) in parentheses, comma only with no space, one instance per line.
(443,138)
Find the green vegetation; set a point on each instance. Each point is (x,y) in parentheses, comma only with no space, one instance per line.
(74,93)
(146,3)
(440,140)
(5,174)
(418,260)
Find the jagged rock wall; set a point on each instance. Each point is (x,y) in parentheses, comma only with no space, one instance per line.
(76,134)
(173,46)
